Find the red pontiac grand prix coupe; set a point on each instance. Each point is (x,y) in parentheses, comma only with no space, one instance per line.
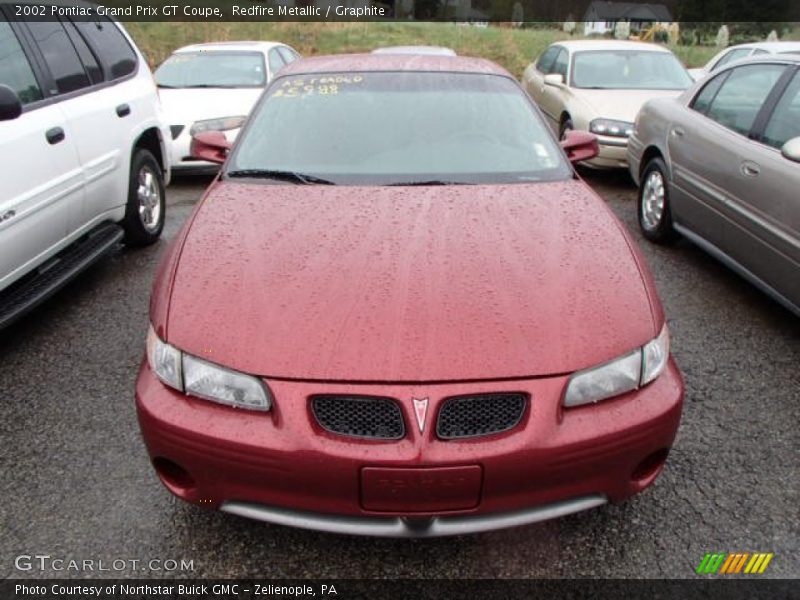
(398,311)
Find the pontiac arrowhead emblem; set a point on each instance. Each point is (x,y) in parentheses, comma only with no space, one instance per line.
(420,410)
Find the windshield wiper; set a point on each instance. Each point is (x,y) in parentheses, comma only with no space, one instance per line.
(293,176)
(429,182)
(208,85)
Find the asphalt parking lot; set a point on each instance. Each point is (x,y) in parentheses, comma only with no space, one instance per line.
(77,484)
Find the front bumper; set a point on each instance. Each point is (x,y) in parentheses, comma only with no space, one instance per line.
(613,153)
(282,467)
(182,161)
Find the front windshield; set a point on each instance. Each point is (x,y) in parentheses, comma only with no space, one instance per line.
(628,70)
(381,128)
(212,69)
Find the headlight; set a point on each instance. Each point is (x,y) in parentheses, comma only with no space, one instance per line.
(621,375)
(654,356)
(164,360)
(223,124)
(209,381)
(611,127)
(198,377)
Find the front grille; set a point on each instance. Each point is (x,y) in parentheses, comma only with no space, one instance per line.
(480,414)
(359,416)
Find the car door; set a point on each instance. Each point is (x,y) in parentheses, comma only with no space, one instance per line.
(763,233)
(534,74)
(706,144)
(100,113)
(42,183)
(551,97)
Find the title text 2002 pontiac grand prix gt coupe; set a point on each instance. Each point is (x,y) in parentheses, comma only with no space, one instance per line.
(399,312)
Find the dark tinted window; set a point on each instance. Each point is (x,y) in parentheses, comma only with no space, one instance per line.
(560,64)
(546,60)
(706,96)
(15,70)
(110,45)
(275,62)
(784,124)
(60,55)
(741,96)
(288,55)
(84,52)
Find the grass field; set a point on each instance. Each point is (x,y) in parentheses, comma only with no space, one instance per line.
(512,48)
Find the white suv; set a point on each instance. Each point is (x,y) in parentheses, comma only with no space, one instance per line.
(83,152)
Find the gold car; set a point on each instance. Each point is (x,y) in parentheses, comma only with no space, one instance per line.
(599,86)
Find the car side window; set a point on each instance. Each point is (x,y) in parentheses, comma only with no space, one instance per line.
(88,59)
(288,55)
(731,56)
(110,45)
(60,56)
(784,123)
(560,64)
(15,70)
(703,100)
(547,59)
(275,62)
(741,96)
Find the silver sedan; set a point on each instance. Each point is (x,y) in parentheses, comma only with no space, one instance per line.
(720,165)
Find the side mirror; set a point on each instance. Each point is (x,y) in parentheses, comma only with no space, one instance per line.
(791,149)
(580,146)
(212,146)
(555,79)
(10,105)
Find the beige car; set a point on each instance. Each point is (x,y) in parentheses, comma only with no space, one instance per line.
(599,86)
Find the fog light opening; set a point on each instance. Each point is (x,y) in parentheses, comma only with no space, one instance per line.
(650,466)
(173,475)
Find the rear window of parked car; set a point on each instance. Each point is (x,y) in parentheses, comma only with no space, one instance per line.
(15,70)
(60,55)
(111,45)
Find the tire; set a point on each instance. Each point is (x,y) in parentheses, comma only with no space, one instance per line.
(566,125)
(145,210)
(653,207)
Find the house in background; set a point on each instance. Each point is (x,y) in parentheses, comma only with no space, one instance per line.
(601,17)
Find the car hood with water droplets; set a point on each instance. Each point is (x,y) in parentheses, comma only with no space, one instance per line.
(396,284)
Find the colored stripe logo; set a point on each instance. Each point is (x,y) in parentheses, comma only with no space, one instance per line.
(722,563)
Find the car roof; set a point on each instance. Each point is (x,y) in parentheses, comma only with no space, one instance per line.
(432,50)
(342,63)
(789,59)
(774,47)
(243,46)
(581,45)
